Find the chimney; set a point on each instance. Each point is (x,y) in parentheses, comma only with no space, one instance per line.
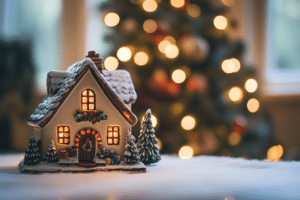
(95,58)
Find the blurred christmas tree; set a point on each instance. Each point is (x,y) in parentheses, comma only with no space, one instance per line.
(188,70)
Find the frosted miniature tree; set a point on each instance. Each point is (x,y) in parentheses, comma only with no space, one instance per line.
(131,153)
(147,143)
(32,153)
(51,155)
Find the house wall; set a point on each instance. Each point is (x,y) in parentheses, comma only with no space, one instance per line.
(65,116)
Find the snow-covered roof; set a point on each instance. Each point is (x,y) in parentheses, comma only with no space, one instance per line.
(117,85)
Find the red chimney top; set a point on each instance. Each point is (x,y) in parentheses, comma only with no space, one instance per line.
(95,58)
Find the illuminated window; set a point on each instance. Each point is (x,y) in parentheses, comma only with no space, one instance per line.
(113,135)
(88,99)
(63,134)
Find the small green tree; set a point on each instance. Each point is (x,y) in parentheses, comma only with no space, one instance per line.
(32,153)
(147,143)
(131,153)
(51,155)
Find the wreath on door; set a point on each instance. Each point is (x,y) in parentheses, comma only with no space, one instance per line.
(87,146)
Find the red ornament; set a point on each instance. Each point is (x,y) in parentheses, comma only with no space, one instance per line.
(197,83)
(239,126)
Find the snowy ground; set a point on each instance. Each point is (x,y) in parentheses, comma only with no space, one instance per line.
(203,177)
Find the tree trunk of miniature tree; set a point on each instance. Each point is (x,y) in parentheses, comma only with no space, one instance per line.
(32,153)
(131,154)
(51,155)
(147,143)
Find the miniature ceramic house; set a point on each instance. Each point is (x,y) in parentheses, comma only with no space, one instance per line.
(86,107)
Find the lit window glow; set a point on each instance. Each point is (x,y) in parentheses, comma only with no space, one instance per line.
(235,94)
(188,122)
(253,105)
(193,10)
(111,19)
(141,58)
(186,152)
(124,54)
(88,100)
(111,63)
(63,134)
(177,3)
(113,137)
(171,51)
(275,153)
(220,22)
(150,5)
(150,26)
(178,76)
(251,85)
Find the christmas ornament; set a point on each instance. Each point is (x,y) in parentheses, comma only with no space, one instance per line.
(197,83)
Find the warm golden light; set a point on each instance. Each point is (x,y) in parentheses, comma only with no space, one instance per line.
(150,26)
(188,122)
(237,64)
(193,10)
(170,39)
(251,85)
(162,45)
(171,51)
(220,22)
(253,105)
(141,58)
(177,3)
(186,152)
(150,5)
(275,153)
(111,19)
(235,94)
(111,63)
(177,108)
(178,76)
(124,54)
(228,66)
(153,120)
(228,2)
(234,139)
(159,143)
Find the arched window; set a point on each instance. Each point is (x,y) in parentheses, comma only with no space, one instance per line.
(88,99)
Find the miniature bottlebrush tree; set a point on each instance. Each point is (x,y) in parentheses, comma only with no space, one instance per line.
(32,153)
(51,155)
(147,143)
(131,154)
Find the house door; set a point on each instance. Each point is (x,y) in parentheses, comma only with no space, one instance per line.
(87,148)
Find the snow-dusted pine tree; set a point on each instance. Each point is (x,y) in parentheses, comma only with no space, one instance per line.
(51,155)
(131,153)
(32,153)
(147,143)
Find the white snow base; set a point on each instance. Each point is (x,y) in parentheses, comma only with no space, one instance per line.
(45,167)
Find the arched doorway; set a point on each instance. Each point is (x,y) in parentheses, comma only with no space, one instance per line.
(86,141)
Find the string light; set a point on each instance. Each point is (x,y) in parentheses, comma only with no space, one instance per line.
(178,76)
(237,64)
(141,58)
(235,94)
(162,45)
(171,51)
(253,105)
(193,10)
(220,22)
(227,66)
(150,26)
(111,19)
(124,54)
(275,153)
(150,5)
(186,152)
(188,122)
(111,63)
(177,3)
(251,85)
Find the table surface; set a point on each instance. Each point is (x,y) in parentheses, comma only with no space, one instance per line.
(202,177)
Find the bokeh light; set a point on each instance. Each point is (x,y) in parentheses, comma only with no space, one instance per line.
(228,2)
(170,39)
(150,26)
(149,5)
(153,120)
(178,76)
(227,66)
(220,22)
(111,19)
(193,10)
(251,85)
(162,45)
(171,51)
(188,122)
(275,153)
(234,139)
(177,108)
(237,64)
(159,143)
(235,94)
(141,58)
(253,105)
(111,63)
(124,54)
(186,152)
(177,3)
